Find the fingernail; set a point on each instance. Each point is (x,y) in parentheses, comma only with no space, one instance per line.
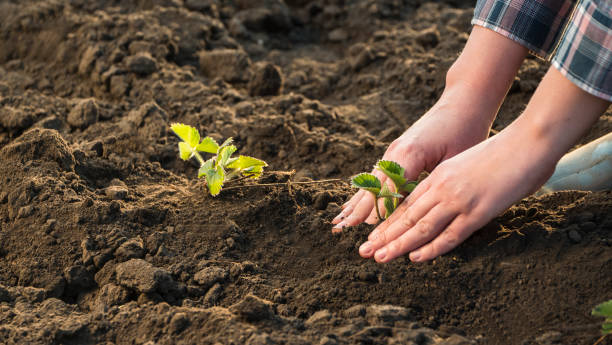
(342,214)
(366,248)
(381,254)
(415,256)
(339,225)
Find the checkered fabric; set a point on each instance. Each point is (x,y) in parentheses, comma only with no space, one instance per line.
(576,36)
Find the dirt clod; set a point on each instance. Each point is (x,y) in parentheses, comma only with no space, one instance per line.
(266,80)
(143,277)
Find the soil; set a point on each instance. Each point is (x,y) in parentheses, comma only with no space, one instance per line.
(107,237)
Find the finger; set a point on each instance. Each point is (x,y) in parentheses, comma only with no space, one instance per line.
(348,207)
(397,226)
(426,229)
(401,209)
(355,214)
(364,208)
(458,231)
(361,211)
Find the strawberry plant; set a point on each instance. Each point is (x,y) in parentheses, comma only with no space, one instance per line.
(222,167)
(390,197)
(605,310)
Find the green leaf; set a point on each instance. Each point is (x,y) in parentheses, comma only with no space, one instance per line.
(368,182)
(188,134)
(231,160)
(389,207)
(226,143)
(185,151)
(244,162)
(393,170)
(224,155)
(253,172)
(214,180)
(604,309)
(209,145)
(208,165)
(408,187)
(385,192)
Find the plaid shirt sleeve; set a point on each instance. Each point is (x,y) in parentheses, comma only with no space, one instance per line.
(584,53)
(575,35)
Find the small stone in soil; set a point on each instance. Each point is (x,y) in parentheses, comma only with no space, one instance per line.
(143,277)
(574,236)
(231,65)
(116,192)
(588,226)
(210,275)
(355,311)
(141,64)
(132,248)
(83,114)
(253,308)
(428,38)
(387,314)
(178,323)
(267,80)
(213,294)
(78,277)
(321,316)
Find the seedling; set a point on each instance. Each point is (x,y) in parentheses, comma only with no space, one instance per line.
(220,168)
(372,184)
(605,310)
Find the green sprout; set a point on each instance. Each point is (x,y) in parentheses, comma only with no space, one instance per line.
(372,184)
(605,310)
(220,168)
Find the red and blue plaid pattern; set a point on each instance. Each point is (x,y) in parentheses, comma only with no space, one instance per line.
(575,35)
(584,55)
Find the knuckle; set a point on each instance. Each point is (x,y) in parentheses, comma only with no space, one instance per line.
(396,247)
(381,237)
(403,146)
(450,239)
(424,228)
(407,221)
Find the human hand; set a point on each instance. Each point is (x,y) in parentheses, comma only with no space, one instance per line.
(466,191)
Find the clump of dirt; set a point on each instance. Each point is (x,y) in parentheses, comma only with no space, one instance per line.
(106,236)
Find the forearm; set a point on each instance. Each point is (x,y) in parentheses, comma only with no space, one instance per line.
(483,73)
(558,115)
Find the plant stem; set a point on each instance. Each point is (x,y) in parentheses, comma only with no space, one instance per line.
(377,208)
(282,184)
(600,339)
(232,174)
(199,158)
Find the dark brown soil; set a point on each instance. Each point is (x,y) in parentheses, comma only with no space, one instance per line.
(106,237)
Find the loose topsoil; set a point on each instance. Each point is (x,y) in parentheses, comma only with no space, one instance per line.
(106,237)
